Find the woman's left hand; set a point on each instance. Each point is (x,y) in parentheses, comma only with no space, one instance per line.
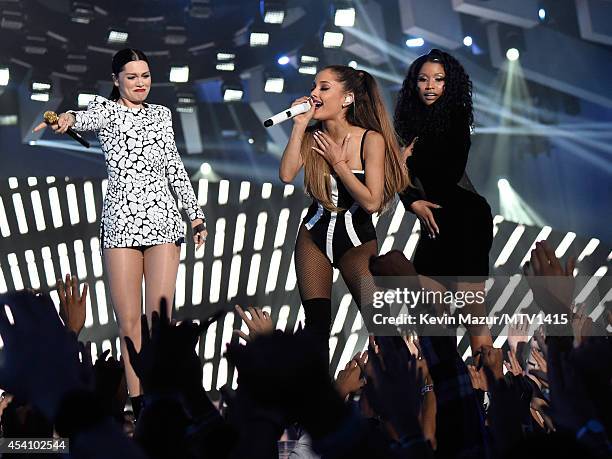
(333,153)
(199,238)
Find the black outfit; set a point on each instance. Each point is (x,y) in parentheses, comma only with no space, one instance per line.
(462,248)
(336,232)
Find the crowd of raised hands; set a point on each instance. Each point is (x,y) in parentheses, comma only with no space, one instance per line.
(413,396)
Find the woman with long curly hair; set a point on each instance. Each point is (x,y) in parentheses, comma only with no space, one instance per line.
(352,169)
(434,118)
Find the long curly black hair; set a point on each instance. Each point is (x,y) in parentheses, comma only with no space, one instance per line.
(413,118)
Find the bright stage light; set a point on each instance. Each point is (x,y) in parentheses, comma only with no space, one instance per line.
(205,168)
(344,17)
(84,99)
(333,39)
(308,69)
(40,96)
(259,39)
(514,208)
(38,86)
(114,36)
(512,54)
(467,40)
(283,60)
(274,17)
(542,14)
(415,42)
(179,74)
(5,75)
(274,85)
(225,66)
(353,64)
(232,94)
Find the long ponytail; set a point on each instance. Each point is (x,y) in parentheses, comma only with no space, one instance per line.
(369,112)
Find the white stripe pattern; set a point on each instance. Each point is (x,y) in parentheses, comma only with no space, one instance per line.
(350,229)
(329,245)
(315,218)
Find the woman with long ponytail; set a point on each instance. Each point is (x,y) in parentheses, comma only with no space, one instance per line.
(352,169)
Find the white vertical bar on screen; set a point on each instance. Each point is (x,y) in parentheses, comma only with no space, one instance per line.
(90,202)
(245,189)
(198,283)
(56,209)
(283,315)
(5,231)
(22,223)
(179,296)
(260,231)
(80,259)
(15,273)
(202,192)
(253,275)
(219,237)
(39,216)
(266,190)
(96,258)
(73,207)
(273,270)
(102,305)
(215,281)
(32,271)
(239,233)
(223,192)
(281,229)
(341,315)
(234,278)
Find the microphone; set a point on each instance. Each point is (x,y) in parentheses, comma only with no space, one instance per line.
(287,114)
(51,118)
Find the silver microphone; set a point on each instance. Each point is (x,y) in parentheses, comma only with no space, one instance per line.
(287,114)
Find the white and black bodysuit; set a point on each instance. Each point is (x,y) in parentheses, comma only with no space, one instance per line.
(142,163)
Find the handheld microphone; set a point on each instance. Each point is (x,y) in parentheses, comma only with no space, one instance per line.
(287,114)
(51,118)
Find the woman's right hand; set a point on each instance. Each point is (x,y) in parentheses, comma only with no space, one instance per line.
(64,121)
(304,118)
(422,209)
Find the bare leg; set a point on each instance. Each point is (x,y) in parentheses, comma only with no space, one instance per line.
(160,268)
(124,267)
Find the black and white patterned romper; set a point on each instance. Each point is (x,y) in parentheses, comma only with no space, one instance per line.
(141,160)
(336,232)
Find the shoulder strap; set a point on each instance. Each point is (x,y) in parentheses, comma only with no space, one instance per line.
(361,149)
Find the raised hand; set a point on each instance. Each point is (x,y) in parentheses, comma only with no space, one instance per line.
(259,323)
(407,152)
(40,359)
(350,380)
(167,360)
(513,365)
(582,325)
(552,285)
(393,384)
(304,118)
(422,209)
(518,333)
(64,121)
(199,235)
(332,152)
(572,404)
(478,379)
(72,304)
